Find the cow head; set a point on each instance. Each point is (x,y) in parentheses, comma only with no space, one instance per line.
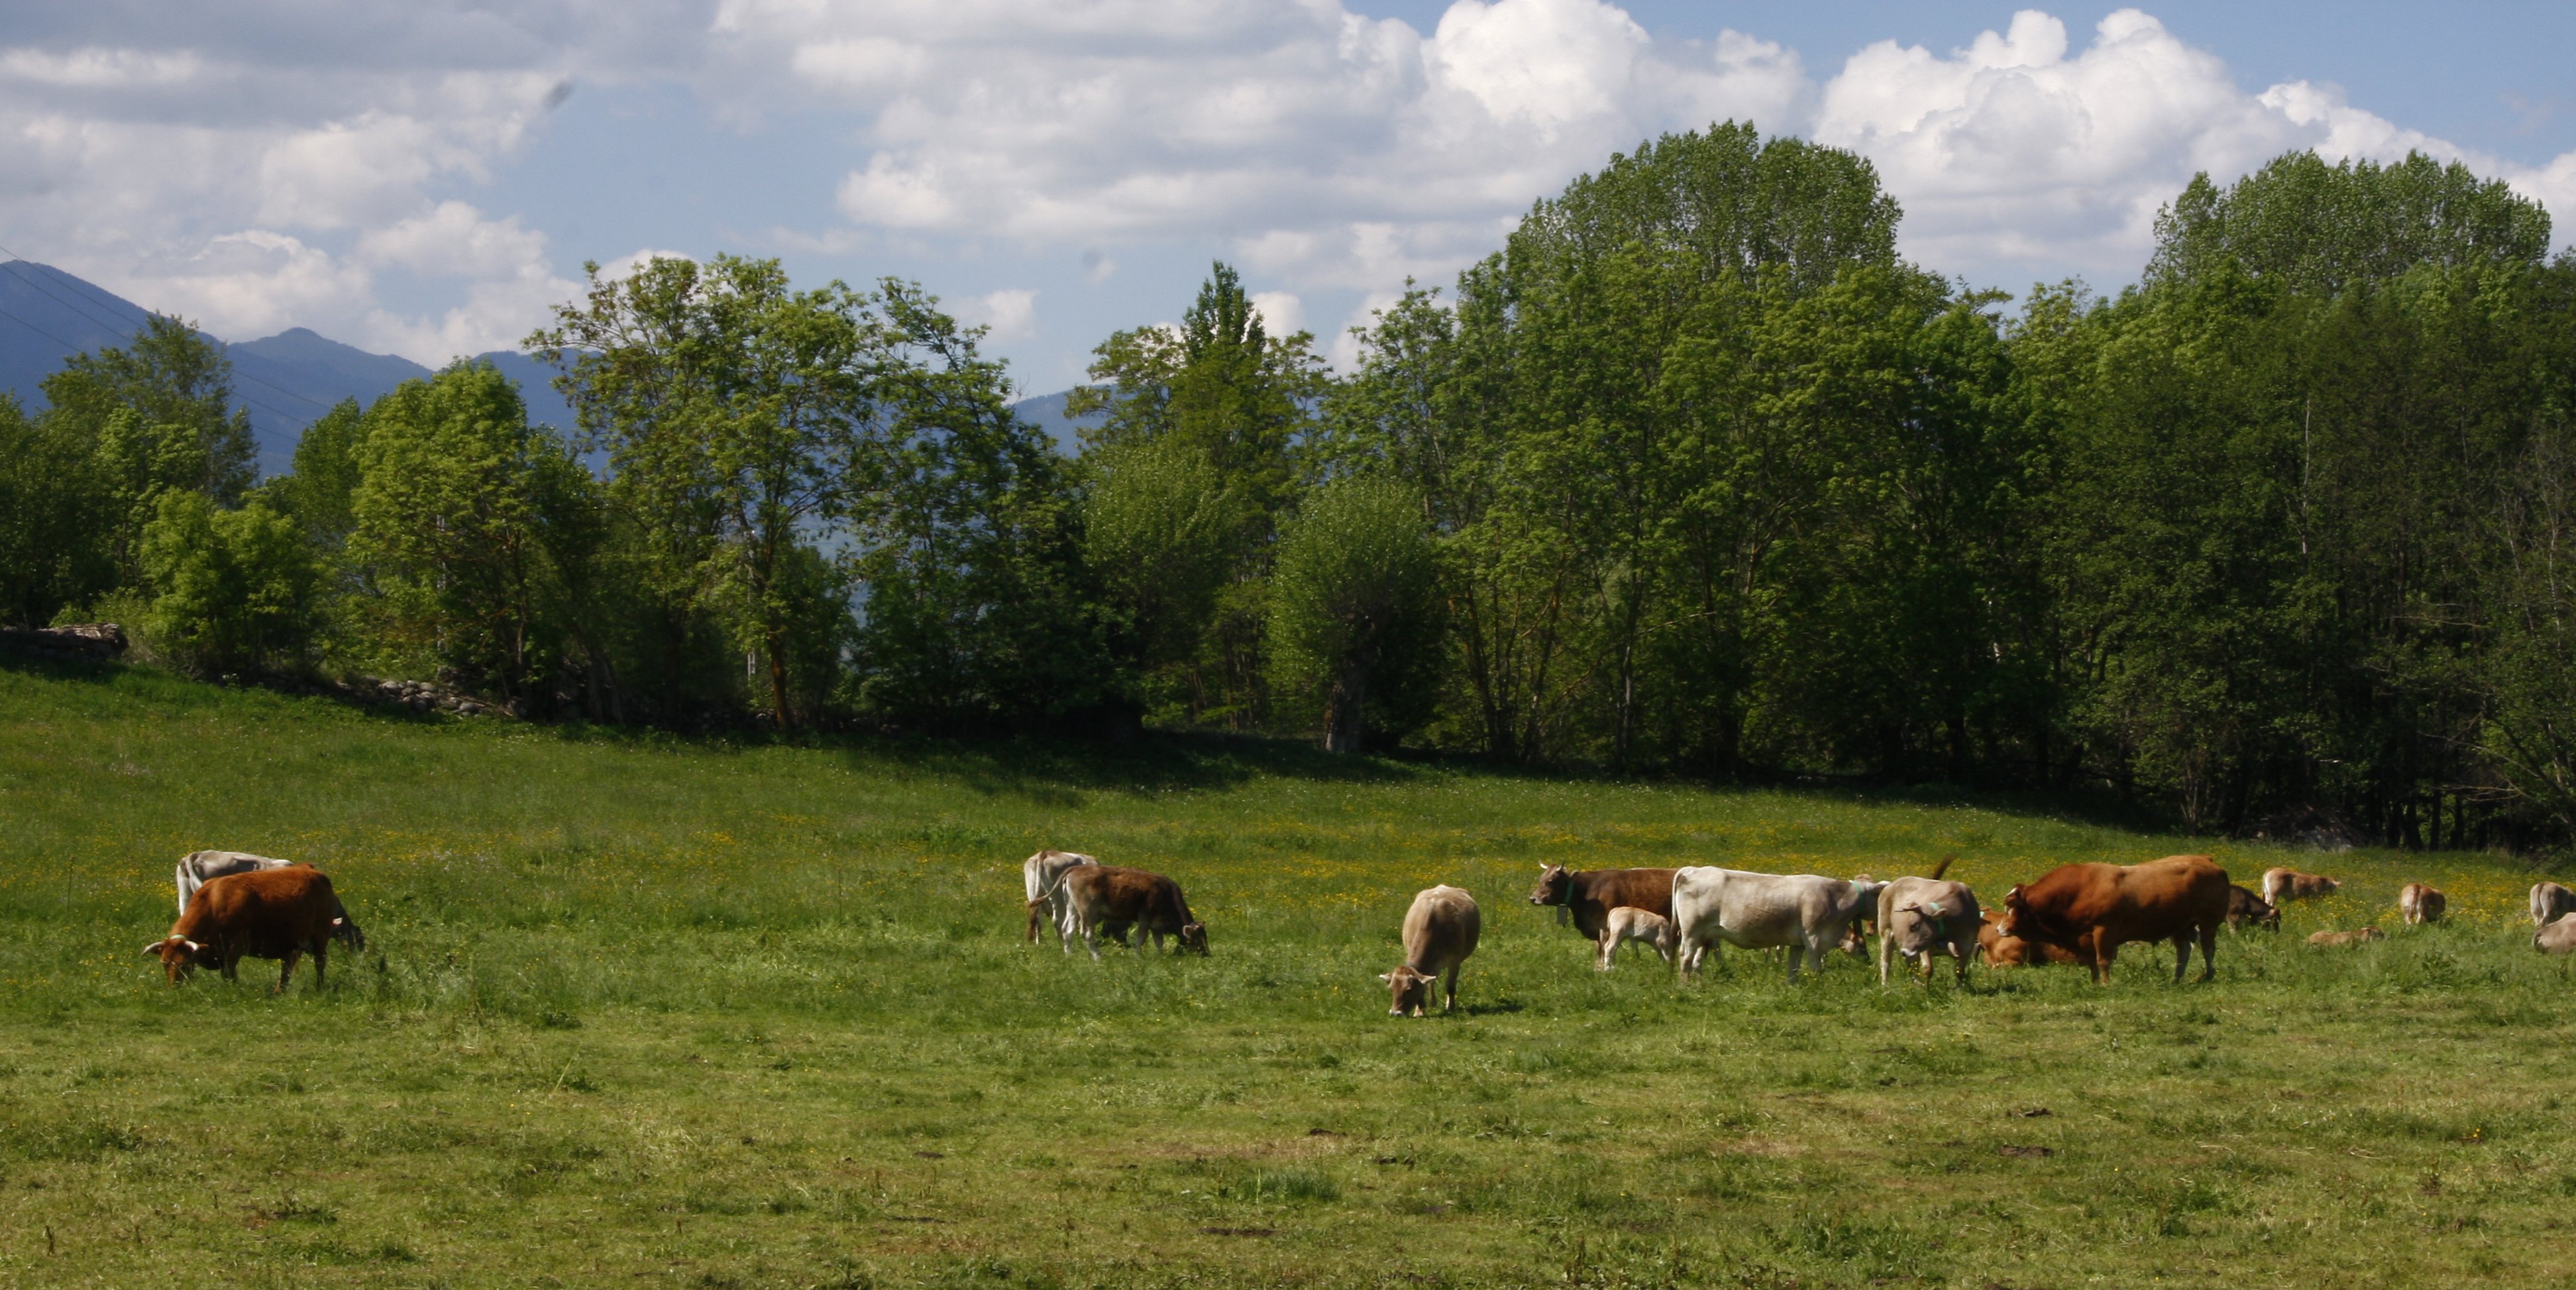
(1554,887)
(2016,904)
(1194,937)
(346,932)
(1920,925)
(179,956)
(1411,990)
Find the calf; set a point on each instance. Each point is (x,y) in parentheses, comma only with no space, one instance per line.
(1999,950)
(2094,909)
(1806,913)
(2550,902)
(2556,938)
(2245,907)
(1037,876)
(2421,904)
(1923,917)
(281,913)
(2347,938)
(1107,898)
(1589,895)
(1440,931)
(1629,923)
(2281,886)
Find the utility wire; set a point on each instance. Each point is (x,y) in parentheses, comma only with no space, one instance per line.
(118,328)
(289,416)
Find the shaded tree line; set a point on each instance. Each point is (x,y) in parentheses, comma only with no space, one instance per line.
(1695,474)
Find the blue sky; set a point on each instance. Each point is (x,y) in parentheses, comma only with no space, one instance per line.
(427,178)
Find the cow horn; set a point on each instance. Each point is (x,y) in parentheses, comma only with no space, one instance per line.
(154,949)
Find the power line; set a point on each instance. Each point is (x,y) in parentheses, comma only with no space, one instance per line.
(300,426)
(128,337)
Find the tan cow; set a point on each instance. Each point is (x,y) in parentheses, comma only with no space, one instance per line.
(1629,923)
(2556,938)
(2550,902)
(1440,931)
(2281,886)
(2421,904)
(2348,938)
(1920,918)
(1999,950)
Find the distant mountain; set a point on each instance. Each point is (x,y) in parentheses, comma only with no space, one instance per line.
(285,380)
(1046,412)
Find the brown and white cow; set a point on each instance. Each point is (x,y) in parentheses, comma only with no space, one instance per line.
(2094,909)
(1440,931)
(1589,896)
(1999,950)
(1629,923)
(1109,899)
(2355,937)
(2550,902)
(2245,907)
(279,914)
(2281,886)
(1037,876)
(1924,917)
(2420,904)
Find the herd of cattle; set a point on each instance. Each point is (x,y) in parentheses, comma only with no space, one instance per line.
(2077,914)
(233,905)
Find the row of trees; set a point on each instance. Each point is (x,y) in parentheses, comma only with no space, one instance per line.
(1694,474)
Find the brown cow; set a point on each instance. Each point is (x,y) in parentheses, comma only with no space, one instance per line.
(2245,907)
(279,913)
(1590,895)
(1440,931)
(2094,909)
(2421,904)
(2347,938)
(1108,898)
(1999,950)
(2281,886)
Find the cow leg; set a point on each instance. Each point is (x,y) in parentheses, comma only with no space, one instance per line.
(1609,948)
(2182,955)
(2104,954)
(1452,982)
(2209,952)
(286,969)
(1796,952)
(1091,938)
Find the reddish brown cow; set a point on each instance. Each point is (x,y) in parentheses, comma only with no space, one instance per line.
(1108,898)
(2094,909)
(1999,950)
(1590,895)
(267,914)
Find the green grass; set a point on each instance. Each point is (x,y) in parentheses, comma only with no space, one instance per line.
(648,1012)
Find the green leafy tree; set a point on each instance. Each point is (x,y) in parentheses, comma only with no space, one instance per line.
(2316,228)
(233,591)
(177,385)
(319,491)
(54,527)
(1158,533)
(1354,624)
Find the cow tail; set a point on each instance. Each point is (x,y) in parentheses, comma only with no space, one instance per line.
(1943,867)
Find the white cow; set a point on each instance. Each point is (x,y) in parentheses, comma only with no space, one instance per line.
(1807,913)
(2550,902)
(2556,938)
(197,868)
(1046,896)
(1628,923)
(1922,917)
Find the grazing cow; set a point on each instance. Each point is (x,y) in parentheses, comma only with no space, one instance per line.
(1440,931)
(2281,886)
(2000,950)
(2094,909)
(2550,902)
(1806,913)
(2347,938)
(1923,917)
(2421,904)
(1590,895)
(264,913)
(197,868)
(1105,898)
(1629,923)
(1038,874)
(2245,907)
(2557,937)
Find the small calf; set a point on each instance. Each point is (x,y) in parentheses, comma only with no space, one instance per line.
(1627,923)
(1999,950)
(2281,886)
(2421,904)
(2245,907)
(2556,938)
(2347,938)
(1440,931)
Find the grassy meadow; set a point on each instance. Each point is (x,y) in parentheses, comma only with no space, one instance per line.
(650,1012)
